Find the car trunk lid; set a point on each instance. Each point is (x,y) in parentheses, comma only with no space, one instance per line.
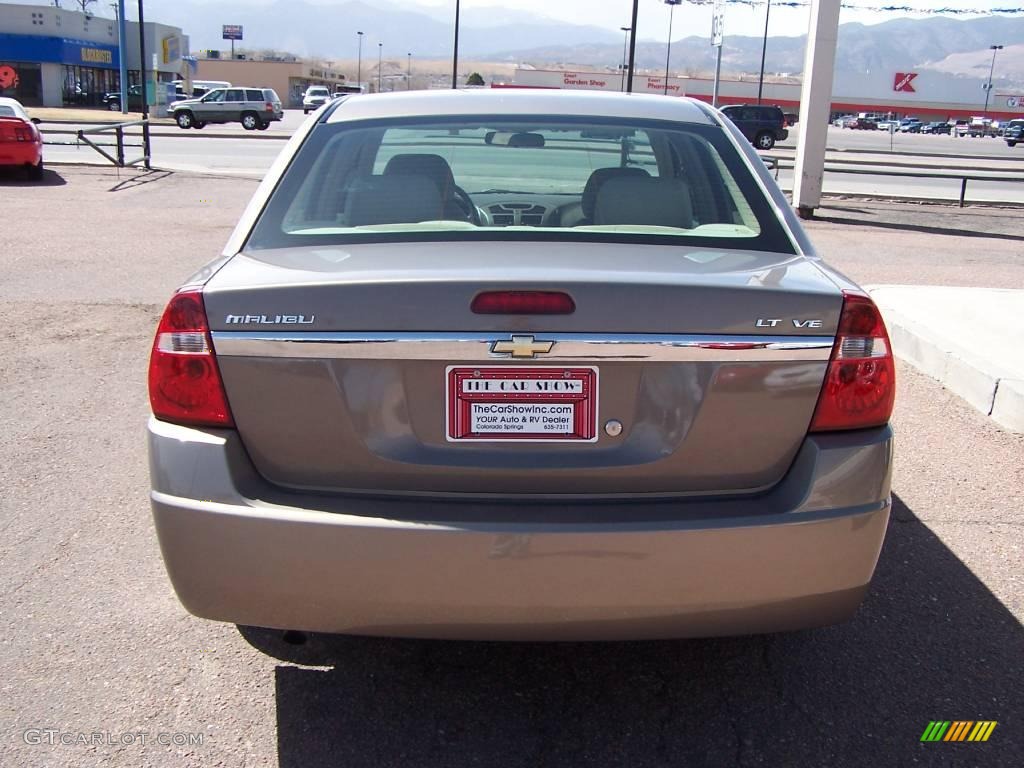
(680,370)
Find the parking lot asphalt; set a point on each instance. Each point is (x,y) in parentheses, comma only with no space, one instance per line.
(93,641)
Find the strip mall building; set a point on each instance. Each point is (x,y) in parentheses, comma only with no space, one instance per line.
(927,95)
(51,57)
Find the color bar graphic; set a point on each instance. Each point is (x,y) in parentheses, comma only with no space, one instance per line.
(958,730)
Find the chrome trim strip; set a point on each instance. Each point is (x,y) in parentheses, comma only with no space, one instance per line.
(569,347)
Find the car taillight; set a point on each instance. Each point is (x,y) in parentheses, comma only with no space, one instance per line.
(23,133)
(269,107)
(860,384)
(523,303)
(184,381)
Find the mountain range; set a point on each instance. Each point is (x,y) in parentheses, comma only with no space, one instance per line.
(959,47)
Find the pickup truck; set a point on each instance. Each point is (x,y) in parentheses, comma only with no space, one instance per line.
(982,126)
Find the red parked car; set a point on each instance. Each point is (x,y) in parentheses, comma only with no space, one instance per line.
(21,144)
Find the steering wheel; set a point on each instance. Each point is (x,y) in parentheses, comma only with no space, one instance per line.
(466,204)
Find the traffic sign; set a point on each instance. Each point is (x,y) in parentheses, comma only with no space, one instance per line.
(717,23)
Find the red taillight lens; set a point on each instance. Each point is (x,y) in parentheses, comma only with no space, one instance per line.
(860,385)
(523,303)
(184,382)
(269,107)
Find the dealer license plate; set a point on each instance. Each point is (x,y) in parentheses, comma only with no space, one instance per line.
(521,403)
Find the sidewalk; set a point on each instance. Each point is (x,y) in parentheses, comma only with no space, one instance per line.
(969,339)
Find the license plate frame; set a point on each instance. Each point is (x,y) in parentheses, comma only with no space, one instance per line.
(568,392)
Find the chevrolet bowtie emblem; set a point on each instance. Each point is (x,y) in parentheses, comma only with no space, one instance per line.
(522,346)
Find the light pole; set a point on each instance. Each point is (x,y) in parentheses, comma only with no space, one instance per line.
(380,60)
(764,49)
(408,75)
(668,56)
(991,71)
(455,50)
(122,54)
(622,67)
(359,65)
(632,48)
(147,147)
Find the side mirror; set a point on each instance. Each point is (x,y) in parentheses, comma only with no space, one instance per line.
(36,121)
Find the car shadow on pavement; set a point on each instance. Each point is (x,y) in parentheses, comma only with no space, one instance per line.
(16,177)
(931,642)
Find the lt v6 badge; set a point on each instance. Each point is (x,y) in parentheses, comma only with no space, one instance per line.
(773,322)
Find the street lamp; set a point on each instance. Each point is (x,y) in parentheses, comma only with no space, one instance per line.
(668,56)
(991,70)
(359,66)
(380,59)
(408,76)
(625,42)
(455,50)
(764,49)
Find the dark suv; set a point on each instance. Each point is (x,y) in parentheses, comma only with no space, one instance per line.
(762,126)
(1014,133)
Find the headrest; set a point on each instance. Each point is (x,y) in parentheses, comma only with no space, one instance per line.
(433,167)
(599,177)
(644,201)
(393,200)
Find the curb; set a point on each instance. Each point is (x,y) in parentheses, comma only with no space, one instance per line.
(983,386)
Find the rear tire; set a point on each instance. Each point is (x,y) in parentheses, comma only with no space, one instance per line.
(185,120)
(764,140)
(250,121)
(1011,143)
(113,106)
(198,125)
(35,172)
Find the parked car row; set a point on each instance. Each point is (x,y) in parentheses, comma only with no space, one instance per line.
(974,127)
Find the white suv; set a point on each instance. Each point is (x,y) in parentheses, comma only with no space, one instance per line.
(316,96)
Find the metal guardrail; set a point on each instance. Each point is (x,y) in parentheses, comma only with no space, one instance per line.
(118,129)
(119,143)
(963,178)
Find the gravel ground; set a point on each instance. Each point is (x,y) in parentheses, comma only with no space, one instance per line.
(918,244)
(92,639)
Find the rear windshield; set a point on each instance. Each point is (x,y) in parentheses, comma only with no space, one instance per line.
(533,178)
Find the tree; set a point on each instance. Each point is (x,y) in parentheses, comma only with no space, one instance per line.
(475,79)
(84,5)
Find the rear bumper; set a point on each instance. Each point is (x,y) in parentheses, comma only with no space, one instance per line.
(239,550)
(20,153)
